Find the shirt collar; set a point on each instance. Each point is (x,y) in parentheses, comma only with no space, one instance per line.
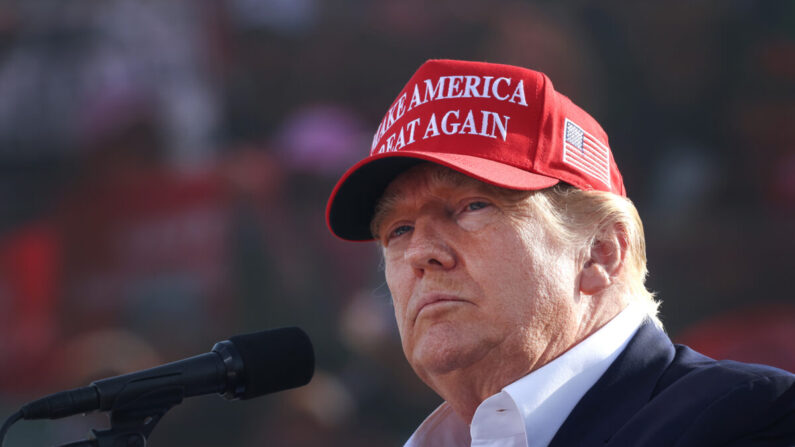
(529,412)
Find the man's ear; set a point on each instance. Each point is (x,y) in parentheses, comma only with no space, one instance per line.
(605,262)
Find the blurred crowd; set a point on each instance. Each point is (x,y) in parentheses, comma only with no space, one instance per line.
(164,167)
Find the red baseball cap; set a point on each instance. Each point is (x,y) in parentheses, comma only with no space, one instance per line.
(500,124)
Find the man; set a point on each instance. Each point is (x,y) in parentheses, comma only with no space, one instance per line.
(517,264)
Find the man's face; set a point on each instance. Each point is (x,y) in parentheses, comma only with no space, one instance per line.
(475,280)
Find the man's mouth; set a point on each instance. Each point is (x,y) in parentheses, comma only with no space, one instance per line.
(435,299)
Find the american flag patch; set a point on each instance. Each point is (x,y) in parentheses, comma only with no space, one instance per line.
(584,152)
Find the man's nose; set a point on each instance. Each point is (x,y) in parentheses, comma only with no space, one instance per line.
(429,248)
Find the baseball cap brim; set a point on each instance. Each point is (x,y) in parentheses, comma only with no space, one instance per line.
(352,202)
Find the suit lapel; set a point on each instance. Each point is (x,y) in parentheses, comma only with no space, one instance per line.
(623,389)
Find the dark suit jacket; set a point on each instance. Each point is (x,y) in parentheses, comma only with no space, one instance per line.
(658,394)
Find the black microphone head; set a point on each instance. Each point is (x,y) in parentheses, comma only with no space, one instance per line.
(275,360)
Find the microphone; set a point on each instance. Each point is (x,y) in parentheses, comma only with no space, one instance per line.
(243,367)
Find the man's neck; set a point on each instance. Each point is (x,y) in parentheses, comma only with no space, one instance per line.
(465,389)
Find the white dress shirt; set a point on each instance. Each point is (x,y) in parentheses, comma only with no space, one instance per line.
(530,411)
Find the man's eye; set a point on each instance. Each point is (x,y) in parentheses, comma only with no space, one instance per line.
(402,229)
(477,205)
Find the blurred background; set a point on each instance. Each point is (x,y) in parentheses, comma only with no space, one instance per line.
(164,166)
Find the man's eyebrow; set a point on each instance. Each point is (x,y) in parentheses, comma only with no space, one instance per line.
(387,203)
(384,206)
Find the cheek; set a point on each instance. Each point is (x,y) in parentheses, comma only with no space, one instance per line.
(513,294)
(517,274)
(399,289)
(394,279)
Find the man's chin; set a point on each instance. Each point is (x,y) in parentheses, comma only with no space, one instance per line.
(443,352)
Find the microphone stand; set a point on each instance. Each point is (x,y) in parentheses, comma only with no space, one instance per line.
(133,417)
